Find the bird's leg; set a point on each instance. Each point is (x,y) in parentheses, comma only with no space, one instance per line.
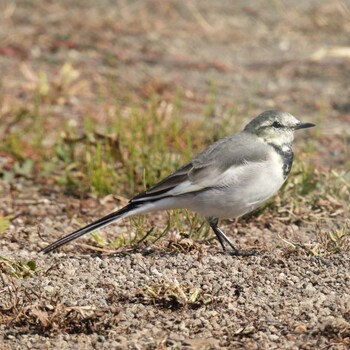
(213,222)
(222,238)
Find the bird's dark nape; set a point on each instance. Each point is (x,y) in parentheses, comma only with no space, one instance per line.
(104,221)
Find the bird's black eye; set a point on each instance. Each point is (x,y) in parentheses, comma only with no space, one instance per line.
(277,125)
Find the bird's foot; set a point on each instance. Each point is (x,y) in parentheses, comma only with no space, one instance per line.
(237,252)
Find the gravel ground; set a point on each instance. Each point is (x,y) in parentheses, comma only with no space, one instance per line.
(174,294)
(275,300)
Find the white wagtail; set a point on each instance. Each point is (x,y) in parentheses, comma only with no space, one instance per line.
(232,177)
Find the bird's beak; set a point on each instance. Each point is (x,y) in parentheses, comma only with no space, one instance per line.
(304,126)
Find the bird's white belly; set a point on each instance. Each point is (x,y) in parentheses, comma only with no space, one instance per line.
(249,187)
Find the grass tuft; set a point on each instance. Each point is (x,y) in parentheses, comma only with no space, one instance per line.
(328,241)
(17,269)
(171,294)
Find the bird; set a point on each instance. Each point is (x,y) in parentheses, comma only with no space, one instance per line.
(232,177)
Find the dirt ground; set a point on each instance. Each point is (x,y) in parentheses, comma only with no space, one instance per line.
(256,55)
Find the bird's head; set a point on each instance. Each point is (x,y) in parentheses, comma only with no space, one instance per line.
(276,127)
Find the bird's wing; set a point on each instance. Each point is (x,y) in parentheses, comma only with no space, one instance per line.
(215,167)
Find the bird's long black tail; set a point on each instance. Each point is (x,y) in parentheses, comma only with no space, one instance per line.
(90,228)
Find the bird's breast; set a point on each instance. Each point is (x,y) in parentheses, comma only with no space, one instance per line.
(243,188)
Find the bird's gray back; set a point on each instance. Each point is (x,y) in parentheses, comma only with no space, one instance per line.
(231,151)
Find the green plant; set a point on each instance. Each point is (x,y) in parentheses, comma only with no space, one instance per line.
(4,223)
(18,269)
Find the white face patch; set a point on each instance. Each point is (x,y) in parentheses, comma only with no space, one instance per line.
(279,138)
